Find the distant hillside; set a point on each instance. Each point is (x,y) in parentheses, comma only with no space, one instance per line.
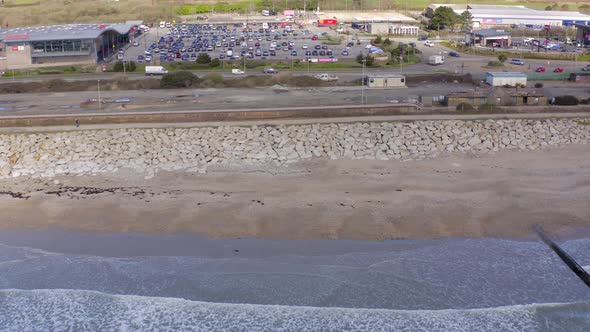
(45,12)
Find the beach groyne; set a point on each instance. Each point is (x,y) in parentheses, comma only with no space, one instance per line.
(148,151)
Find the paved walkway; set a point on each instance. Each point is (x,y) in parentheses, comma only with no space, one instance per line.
(466,117)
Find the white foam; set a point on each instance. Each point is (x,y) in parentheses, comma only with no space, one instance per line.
(53,310)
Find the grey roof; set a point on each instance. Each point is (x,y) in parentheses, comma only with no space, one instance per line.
(506,74)
(60,32)
(491,33)
(515,12)
(386,76)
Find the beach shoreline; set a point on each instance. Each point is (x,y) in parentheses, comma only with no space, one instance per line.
(497,195)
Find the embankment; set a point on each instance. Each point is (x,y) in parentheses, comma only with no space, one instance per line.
(148,151)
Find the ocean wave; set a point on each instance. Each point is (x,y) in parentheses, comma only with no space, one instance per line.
(455,274)
(80,310)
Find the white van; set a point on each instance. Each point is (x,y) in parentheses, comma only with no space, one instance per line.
(162,24)
(265,13)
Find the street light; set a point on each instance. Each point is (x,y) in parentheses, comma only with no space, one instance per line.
(363,80)
(99,106)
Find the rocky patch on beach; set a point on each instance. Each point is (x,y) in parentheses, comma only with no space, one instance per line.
(148,151)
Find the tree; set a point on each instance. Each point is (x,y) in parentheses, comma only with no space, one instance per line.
(203,58)
(377,40)
(368,59)
(387,42)
(443,18)
(502,57)
(466,19)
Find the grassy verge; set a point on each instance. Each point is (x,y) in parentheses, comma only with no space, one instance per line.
(60,70)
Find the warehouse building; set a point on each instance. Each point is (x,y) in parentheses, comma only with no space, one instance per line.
(505,78)
(489,16)
(63,44)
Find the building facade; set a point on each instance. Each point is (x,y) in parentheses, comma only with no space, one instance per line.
(504,78)
(64,44)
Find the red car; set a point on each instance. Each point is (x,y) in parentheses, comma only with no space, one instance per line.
(540,70)
(257,44)
(314,37)
(558,70)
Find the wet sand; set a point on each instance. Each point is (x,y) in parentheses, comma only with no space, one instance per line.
(499,195)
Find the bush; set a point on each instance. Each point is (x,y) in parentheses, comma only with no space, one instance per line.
(566,100)
(520,85)
(538,85)
(585,101)
(124,66)
(377,40)
(495,64)
(502,57)
(215,63)
(465,107)
(179,79)
(203,58)
(387,42)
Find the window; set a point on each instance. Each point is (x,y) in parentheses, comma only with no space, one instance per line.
(403,80)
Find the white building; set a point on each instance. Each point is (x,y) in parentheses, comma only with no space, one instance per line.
(504,15)
(392,29)
(505,78)
(386,81)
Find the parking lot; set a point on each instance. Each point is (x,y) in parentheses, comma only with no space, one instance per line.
(258,41)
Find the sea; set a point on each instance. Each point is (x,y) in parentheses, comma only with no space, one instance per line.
(55,280)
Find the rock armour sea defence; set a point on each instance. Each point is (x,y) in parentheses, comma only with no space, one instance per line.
(148,151)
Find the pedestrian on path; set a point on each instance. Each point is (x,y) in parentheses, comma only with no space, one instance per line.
(77,123)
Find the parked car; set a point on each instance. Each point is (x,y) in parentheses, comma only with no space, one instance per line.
(270,71)
(345,53)
(454,54)
(412,44)
(540,70)
(423,37)
(429,43)
(587,68)
(517,62)
(558,70)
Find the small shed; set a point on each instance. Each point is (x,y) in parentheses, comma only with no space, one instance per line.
(386,81)
(505,78)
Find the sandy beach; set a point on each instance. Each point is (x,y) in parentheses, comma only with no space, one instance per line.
(499,195)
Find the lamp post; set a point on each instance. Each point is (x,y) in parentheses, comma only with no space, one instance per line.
(363,80)
(99,105)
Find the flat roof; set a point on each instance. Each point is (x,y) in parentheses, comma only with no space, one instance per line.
(515,12)
(506,74)
(367,16)
(386,76)
(67,31)
(491,33)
